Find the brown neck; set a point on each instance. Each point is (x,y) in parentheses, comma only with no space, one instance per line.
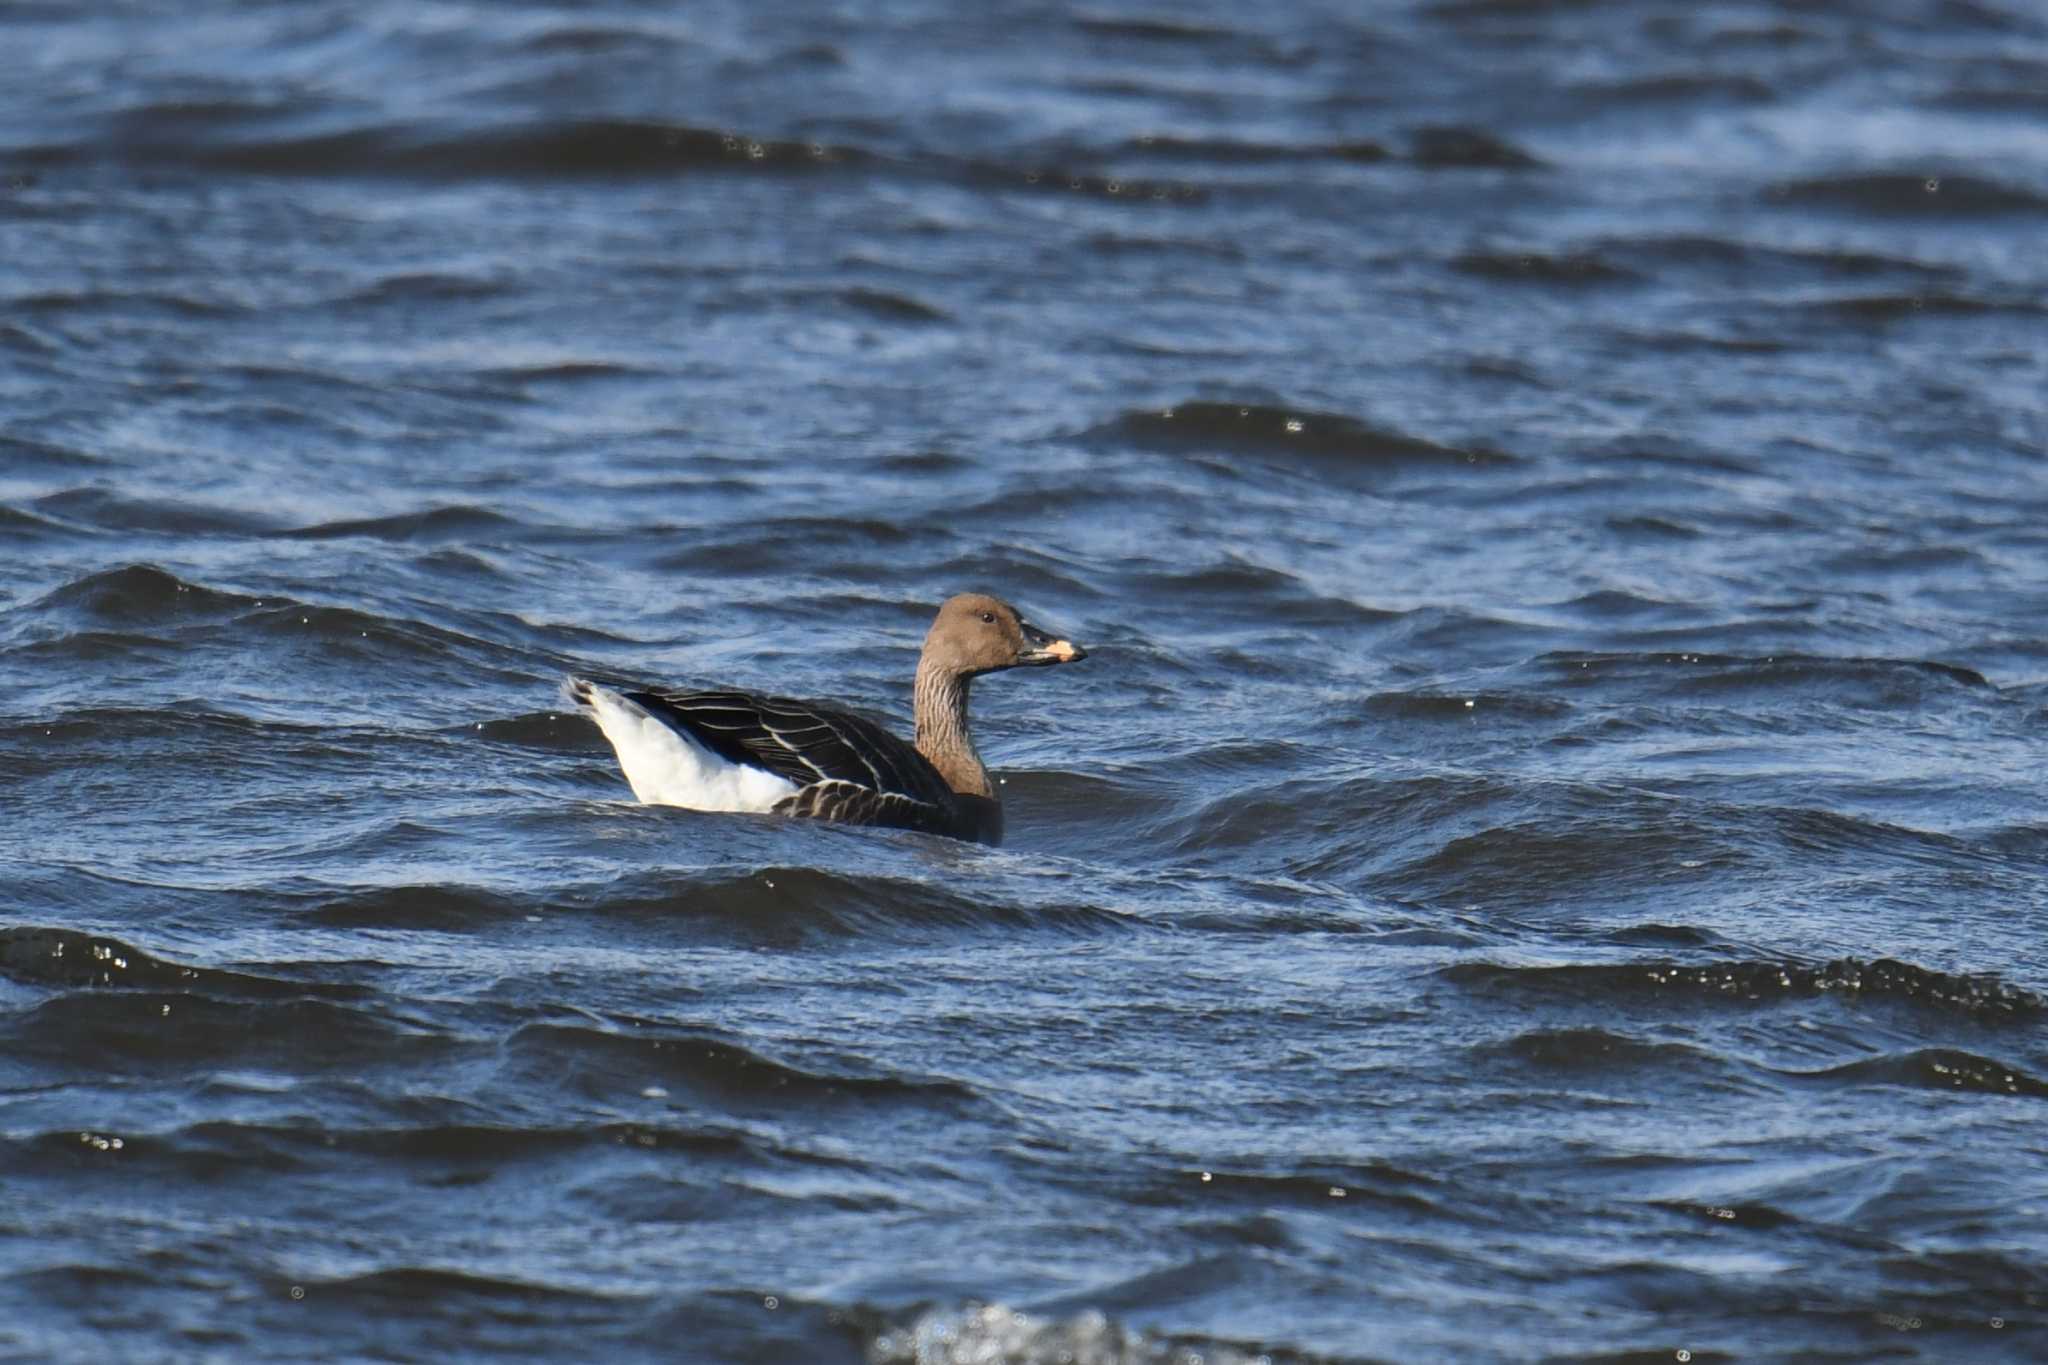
(939,705)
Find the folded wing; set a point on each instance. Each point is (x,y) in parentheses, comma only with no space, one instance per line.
(858,805)
(810,745)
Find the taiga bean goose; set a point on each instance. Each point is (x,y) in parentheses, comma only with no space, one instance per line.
(739,752)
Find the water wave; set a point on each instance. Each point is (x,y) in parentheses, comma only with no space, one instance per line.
(1943,195)
(1532,267)
(812,900)
(464,523)
(605,1064)
(1934,1069)
(1876,682)
(1598,1051)
(1983,996)
(1746,259)
(23,454)
(169,1032)
(1461,146)
(1260,430)
(140,609)
(1236,150)
(139,593)
(592,147)
(232,138)
(1904,307)
(103,509)
(67,959)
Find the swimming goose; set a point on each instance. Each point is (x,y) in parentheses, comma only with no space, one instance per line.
(733,751)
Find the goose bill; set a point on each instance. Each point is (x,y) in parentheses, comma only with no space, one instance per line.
(1041,648)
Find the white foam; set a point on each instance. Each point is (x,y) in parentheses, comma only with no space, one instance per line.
(992,1334)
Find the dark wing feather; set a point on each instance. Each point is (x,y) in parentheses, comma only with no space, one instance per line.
(801,741)
(857,805)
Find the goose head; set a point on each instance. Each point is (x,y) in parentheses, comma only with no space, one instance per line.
(975,633)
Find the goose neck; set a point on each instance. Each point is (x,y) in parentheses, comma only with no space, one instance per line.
(939,705)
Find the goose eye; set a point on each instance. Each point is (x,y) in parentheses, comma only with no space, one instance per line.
(988,618)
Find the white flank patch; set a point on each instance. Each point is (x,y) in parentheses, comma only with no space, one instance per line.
(668,768)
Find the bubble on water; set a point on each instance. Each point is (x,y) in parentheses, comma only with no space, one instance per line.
(991,1332)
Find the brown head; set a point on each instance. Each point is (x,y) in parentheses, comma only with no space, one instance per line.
(975,633)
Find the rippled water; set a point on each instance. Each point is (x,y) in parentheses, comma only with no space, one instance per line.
(1548,855)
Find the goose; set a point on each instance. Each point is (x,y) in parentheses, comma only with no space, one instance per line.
(735,751)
